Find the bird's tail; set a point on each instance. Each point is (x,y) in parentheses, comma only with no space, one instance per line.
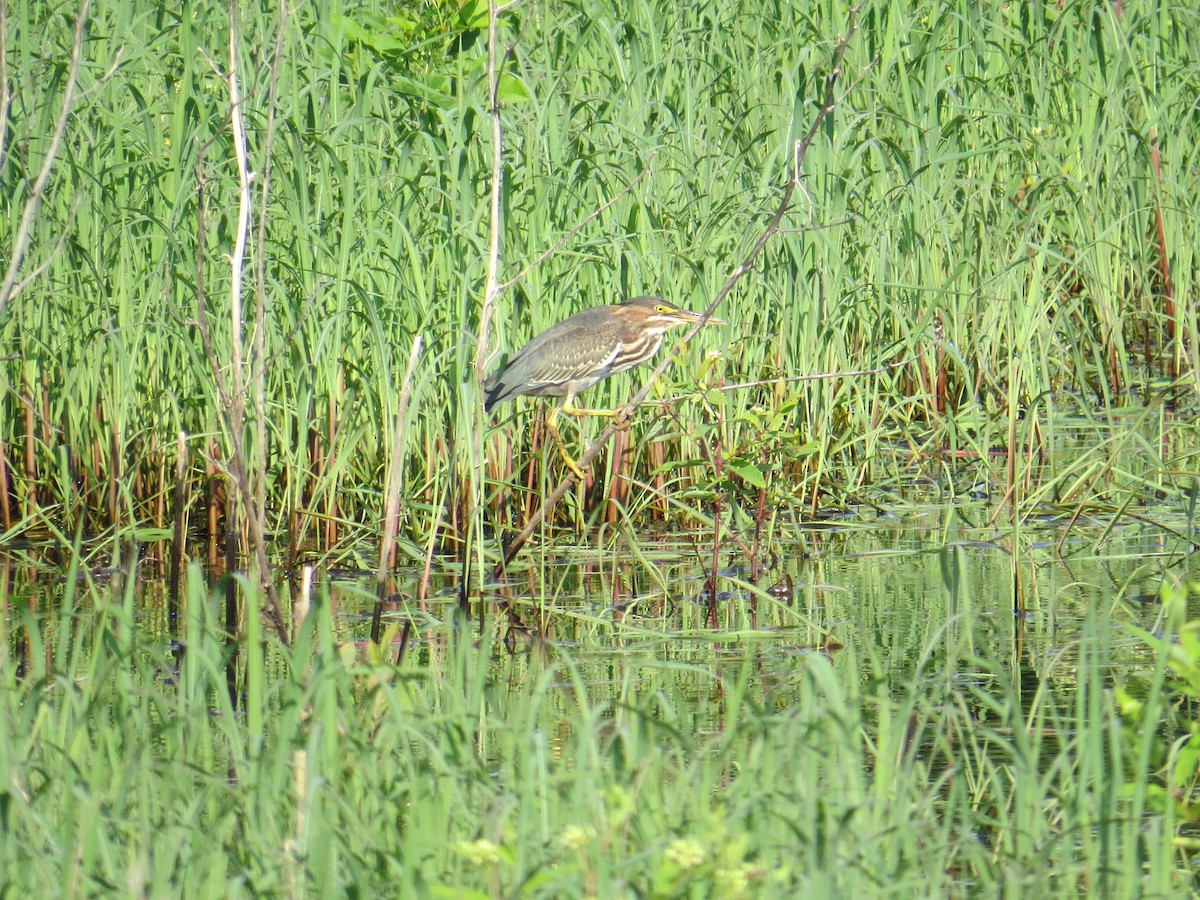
(493,392)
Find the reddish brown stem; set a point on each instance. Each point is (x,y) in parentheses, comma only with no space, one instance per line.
(1164,264)
(114,473)
(5,509)
(30,459)
(718,460)
(331,509)
(760,515)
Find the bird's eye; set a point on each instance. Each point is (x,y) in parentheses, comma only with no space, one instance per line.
(662,308)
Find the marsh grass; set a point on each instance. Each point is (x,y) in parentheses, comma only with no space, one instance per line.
(981,208)
(667,760)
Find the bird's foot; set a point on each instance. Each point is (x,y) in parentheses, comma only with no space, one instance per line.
(579,473)
(562,451)
(575,468)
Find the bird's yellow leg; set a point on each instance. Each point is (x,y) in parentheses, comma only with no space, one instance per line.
(620,416)
(572,410)
(552,427)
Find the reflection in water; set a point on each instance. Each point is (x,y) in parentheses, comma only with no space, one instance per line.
(927,596)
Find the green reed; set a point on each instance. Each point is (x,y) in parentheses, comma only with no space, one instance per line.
(976,233)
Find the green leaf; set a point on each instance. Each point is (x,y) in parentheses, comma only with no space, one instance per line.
(512,89)
(748,472)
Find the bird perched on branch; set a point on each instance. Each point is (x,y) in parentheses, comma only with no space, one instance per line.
(582,350)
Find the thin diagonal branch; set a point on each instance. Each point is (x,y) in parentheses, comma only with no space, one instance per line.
(557,245)
(828,105)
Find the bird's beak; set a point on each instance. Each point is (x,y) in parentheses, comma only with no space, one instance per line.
(711,320)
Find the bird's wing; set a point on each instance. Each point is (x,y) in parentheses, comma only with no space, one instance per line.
(584,364)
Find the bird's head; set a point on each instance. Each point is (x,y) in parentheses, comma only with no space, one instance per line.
(656,315)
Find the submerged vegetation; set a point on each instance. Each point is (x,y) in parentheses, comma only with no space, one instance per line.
(258,259)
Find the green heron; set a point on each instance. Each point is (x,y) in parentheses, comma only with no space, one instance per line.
(585,349)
